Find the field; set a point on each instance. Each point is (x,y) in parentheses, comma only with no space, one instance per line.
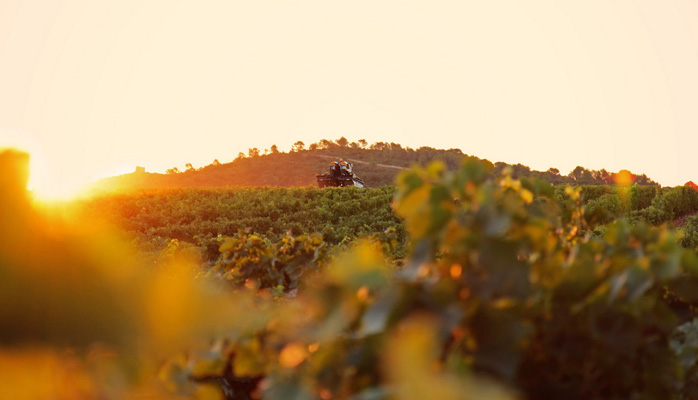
(451,284)
(202,217)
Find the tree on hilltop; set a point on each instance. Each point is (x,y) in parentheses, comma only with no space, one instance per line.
(582,176)
(379,146)
(298,146)
(342,142)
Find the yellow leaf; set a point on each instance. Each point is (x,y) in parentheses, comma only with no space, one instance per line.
(527,196)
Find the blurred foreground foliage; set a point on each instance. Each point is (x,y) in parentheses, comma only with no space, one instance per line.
(505,294)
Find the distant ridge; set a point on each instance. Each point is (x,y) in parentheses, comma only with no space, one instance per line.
(378,165)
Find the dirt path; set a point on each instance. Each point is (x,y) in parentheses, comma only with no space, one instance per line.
(363,162)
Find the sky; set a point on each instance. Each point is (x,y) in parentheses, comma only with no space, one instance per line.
(94,88)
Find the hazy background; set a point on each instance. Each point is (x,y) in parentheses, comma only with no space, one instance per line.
(94,88)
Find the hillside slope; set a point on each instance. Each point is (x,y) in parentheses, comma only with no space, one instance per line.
(291,169)
(378,165)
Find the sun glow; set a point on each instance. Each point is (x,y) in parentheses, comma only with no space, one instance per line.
(46,183)
(47,187)
(55,193)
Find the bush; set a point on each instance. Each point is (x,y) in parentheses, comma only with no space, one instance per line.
(604,209)
(554,313)
(672,203)
(689,238)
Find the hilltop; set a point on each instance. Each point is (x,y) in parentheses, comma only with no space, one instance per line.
(378,164)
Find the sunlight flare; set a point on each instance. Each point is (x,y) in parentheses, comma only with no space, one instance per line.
(46,187)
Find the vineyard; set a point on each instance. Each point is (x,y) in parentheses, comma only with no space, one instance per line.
(461,283)
(203,217)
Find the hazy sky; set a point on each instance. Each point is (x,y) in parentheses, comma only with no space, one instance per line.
(95,87)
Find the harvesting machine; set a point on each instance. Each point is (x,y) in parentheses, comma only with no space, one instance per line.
(341,175)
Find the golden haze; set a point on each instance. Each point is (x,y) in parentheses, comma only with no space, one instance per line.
(95,88)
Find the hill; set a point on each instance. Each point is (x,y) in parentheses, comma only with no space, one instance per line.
(378,164)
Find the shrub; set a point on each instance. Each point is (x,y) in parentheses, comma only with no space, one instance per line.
(672,203)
